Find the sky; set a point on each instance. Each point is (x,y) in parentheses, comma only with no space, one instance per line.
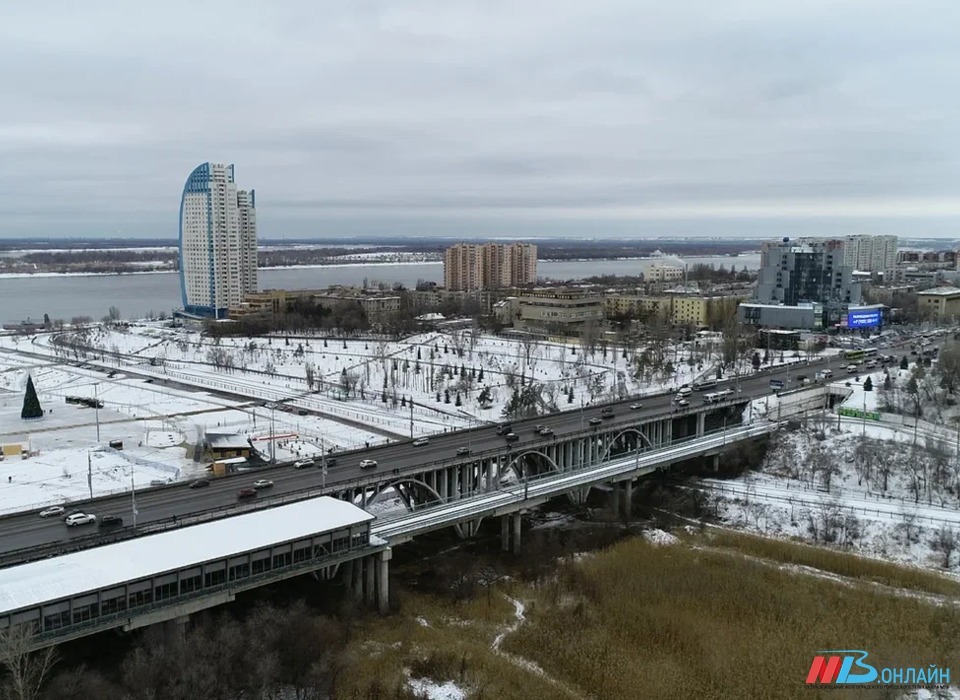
(599,118)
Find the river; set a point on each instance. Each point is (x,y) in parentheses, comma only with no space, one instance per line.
(136,295)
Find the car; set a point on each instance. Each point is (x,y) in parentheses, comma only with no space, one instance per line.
(158,482)
(683,402)
(302,412)
(503,429)
(420,442)
(51,511)
(636,406)
(304,464)
(461,451)
(80,519)
(246,493)
(595,421)
(607,413)
(546,431)
(851,369)
(67,514)
(511,437)
(331,461)
(199,483)
(111,521)
(538,427)
(262,484)
(368,463)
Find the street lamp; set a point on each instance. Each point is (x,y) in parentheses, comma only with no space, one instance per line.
(96,408)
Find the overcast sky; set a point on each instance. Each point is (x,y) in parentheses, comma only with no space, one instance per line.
(490,118)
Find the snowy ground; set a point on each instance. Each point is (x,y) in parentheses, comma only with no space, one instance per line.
(785,499)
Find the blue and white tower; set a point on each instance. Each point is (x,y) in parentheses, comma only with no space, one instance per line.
(218,242)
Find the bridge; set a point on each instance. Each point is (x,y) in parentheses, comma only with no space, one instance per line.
(168,576)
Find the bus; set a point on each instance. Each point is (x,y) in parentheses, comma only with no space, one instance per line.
(705,384)
(717,396)
(857,355)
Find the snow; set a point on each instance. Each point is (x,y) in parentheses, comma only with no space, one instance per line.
(660,538)
(436,691)
(110,565)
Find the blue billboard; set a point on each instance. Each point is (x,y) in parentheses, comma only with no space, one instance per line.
(863,318)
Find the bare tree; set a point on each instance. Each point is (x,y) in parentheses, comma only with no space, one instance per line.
(26,670)
(945,541)
(310,372)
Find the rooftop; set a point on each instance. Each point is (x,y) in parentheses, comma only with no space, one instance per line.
(28,585)
(940,291)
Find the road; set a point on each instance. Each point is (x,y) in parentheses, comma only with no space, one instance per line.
(26,530)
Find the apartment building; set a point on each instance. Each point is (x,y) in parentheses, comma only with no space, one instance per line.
(469,266)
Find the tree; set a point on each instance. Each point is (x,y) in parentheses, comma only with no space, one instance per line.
(945,541)
(868,384)
(309,371)
(458,401)
(480,375)
(26,670)
(756,361)
(46,320)
(887,384)
(31,403)
(446,396)
(114,314)
(904,363)
(948,367)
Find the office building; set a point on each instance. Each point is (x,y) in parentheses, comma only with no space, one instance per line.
(471,266)
(941,303)
(810,271)
(218,242)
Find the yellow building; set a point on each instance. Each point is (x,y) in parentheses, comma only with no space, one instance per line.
(940,302)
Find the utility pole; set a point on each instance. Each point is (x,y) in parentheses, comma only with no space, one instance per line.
(133,497)
(411,418)
(273,440)
(96,408)
(89,474)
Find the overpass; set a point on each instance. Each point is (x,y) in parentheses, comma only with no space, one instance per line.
(170,575)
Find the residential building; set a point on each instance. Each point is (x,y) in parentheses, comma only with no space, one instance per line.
(377,306)
(470,266)
(870,253)
(942,303)
(218,242)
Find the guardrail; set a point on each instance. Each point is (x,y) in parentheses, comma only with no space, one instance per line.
(449,511)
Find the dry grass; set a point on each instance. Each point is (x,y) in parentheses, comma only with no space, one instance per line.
(848,565)
(638,621)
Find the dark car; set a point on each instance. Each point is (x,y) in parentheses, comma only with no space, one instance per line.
(461,451)
(243,494)
(595,421)
(545,431)
(331,462)
(512,437)
(606,413)
(111,521)
(199,483)
(302,412)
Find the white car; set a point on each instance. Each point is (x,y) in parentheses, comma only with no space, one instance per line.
(262,484)
(80,519)
(368,463)
(636,406)
(304,464)
(851,369)
(419,442)
(51,511)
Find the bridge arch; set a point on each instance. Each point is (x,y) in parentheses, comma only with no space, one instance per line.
(528,453)
(406,488)
(613,440)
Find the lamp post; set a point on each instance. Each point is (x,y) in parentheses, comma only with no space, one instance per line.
(133,497)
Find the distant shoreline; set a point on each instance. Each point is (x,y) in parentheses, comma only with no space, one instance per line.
(366,263)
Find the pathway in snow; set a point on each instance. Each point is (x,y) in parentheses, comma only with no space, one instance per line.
(519,610)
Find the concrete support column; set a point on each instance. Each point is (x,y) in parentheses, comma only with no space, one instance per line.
(505,533)
(357,583)
(369,585)
(627,498)
(443,485)
(516,533)
(383,581)
(347,568)
(701,421)
(615,498)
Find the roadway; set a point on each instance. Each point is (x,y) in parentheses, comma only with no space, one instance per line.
(159,504)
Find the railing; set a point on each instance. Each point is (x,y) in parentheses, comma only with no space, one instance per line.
(448,511)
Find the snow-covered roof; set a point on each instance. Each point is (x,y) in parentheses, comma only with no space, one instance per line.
(28,585)
(940,291)
(228,441)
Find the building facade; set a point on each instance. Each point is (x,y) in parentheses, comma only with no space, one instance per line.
(942,303)
(811,271)
(870,253)
(471,266)
(218,242)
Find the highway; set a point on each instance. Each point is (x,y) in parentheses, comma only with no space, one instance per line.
(159,504)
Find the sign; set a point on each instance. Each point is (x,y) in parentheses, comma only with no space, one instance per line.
(776,383)
(863,318)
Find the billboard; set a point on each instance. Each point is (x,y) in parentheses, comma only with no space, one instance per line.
(863,318)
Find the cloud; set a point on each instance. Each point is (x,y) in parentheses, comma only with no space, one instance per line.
(362,116)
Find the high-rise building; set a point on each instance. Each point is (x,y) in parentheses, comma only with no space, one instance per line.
(218,241)
(811,270)
(470,266)
(870,253)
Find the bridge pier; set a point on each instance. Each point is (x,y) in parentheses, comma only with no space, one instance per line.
(516,533)
(383,580)
(701,423)
(627,499)
(369,588)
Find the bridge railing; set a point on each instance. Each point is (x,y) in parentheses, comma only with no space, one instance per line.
(524,484)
